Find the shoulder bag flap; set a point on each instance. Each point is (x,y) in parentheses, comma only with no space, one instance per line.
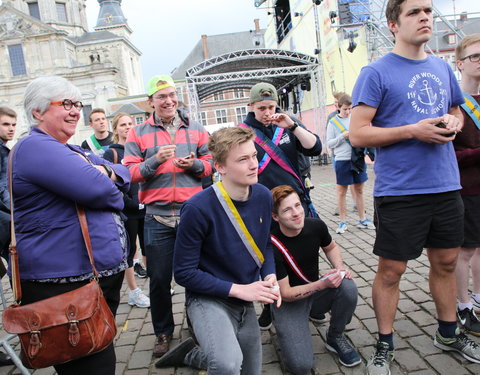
(76,305)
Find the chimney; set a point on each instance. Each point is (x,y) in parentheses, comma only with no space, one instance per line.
(257,25)
(205,47)
(463,16)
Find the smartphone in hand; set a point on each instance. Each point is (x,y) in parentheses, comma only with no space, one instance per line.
(442,125)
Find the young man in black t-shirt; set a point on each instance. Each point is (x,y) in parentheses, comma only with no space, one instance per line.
(297,241)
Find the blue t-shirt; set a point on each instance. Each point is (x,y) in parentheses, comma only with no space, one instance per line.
(404,92)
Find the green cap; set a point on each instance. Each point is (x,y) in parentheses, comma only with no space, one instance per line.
(263,91)
(159,82)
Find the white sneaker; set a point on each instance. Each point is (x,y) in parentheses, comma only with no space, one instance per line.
(137,298)
(342,227)
(365,224)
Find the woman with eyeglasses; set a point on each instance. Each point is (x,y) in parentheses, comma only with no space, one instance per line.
(49,177)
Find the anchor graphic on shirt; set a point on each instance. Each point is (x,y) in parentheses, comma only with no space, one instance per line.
(427,96)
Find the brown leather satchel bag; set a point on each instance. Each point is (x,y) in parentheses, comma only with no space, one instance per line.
(64,327)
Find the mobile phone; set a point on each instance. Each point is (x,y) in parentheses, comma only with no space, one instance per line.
(188,156)
(342,274)
(442,125)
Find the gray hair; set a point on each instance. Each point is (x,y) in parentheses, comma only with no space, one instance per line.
(43,90)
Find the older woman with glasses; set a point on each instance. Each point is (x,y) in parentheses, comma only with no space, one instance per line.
(50,177)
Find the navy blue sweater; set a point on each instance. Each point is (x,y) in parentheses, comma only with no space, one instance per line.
(209,255)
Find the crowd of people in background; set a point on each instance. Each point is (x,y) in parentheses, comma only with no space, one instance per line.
(254,236)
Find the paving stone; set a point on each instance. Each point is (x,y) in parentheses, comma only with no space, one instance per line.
(423,344)
(446,364)
(364,312)
(406,305)
(325,364)
(140,359)
(127,338)
(147,342)
(422,318)
(124,352)
(406,328)
(418,296)
(138,313)
(361,337)
(134,324)
(370,325)
(409,360)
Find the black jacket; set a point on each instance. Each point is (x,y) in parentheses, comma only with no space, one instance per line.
(130,198)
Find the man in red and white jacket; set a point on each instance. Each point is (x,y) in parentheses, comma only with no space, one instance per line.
(168,156)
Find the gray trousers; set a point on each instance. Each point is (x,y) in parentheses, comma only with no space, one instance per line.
(228,334)
(292,325)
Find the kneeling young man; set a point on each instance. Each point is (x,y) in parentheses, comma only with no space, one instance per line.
(297,241)
(222,250)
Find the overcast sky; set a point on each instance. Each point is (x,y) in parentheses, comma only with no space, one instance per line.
(165,31)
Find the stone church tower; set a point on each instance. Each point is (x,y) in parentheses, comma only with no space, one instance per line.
(51,37)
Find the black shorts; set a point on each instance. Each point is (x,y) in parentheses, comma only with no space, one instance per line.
(472,221)
(407,224)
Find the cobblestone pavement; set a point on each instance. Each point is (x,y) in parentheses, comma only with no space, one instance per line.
(415,321)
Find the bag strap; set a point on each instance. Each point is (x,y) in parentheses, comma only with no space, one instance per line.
(16,286)
(115,155)
(238,224)
(17,289)
(472,108)
(335,121)
(289,258)
(94,145)
(266,157)
(277,154)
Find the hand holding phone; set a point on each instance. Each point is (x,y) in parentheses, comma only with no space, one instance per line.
(442,125)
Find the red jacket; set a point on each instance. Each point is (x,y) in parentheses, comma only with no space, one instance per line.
(163,186)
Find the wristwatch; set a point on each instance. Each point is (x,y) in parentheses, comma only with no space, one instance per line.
(293,127)
(108,169)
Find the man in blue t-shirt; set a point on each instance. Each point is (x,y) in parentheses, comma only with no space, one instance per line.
(401,102)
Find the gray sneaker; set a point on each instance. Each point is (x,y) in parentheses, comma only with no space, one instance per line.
(469,349)
(379,363)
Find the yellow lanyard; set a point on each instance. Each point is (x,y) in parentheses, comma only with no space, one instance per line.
(239,220)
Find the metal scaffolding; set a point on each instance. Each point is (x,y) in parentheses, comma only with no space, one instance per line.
(379,39)
(243,69)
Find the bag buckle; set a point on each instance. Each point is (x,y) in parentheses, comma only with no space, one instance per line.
(35,344)
(73,333)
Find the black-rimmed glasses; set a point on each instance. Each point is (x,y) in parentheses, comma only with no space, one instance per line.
(68,104)
(475,57)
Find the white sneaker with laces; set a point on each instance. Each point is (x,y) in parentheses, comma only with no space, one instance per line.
(137,298)
(365,224)
(342,227)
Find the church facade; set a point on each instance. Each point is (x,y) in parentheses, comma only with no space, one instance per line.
(51,37)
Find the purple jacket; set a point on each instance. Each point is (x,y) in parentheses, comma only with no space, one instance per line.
(48,178)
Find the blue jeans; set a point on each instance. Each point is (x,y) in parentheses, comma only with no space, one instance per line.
(292,326)
(228,334)
(159,242)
